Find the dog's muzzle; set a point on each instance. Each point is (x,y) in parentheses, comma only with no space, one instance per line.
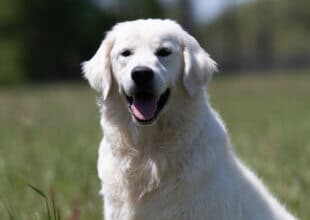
(144,104)
(145,107)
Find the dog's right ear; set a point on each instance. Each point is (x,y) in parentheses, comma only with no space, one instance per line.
(98,69)
(198,65)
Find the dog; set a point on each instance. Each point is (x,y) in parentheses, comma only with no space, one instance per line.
(165,153)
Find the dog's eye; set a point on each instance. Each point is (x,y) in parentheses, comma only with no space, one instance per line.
(126,53)
(163,52)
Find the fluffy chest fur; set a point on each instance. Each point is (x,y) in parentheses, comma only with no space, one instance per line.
(142,168)
(179,171)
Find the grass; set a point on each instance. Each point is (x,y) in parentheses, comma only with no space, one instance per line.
(49,137)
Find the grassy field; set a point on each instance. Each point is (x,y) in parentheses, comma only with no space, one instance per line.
(49,136)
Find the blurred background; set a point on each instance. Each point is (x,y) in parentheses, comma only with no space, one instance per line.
(49,122)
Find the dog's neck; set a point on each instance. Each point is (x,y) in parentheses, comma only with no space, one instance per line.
(153,153)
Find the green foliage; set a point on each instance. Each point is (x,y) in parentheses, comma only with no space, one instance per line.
(262,34)
(10,61)
(11,47)
(135,9)
(59,34)
(48,40)
(10,12)
(49,137)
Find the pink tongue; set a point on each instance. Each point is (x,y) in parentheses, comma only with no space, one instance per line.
(144,109)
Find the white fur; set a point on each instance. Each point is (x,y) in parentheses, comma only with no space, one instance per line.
(182,166)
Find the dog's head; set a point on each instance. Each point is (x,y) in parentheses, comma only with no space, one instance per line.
(146,59)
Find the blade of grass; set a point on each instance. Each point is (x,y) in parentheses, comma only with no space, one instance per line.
(45,197)
(58,214)
(8,210)
(53,204)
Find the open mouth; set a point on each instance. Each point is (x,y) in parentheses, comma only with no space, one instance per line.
(145,106)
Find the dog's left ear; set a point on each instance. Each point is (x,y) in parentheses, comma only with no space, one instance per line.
(198,65)
(98,69)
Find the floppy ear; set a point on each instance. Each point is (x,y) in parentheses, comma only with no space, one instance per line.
(98,69)
(198,65)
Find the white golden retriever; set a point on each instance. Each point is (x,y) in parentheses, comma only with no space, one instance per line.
(165,154)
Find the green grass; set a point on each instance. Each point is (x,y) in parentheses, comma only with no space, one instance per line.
(49,137)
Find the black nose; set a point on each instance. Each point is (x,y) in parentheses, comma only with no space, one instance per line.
(142,74)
